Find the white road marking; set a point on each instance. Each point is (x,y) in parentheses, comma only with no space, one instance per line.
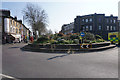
(10,77)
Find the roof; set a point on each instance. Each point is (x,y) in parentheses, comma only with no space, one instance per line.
(4,13)
(90,15)
(97,14)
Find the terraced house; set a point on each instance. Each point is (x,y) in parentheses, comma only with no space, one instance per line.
(12,29)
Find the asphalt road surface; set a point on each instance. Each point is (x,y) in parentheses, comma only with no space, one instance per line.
(25,64)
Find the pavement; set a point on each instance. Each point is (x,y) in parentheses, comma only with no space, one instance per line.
(25,64)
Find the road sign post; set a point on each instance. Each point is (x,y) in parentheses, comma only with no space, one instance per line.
(82,34)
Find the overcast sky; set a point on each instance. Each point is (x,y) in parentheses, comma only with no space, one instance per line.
(63,11)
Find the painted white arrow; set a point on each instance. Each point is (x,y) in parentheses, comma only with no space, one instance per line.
(82,46)
(87,46)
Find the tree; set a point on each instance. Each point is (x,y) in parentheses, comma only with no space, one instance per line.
(48,32)
(89,36)
(36,18)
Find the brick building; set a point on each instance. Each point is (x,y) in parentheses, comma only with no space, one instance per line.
(96,24)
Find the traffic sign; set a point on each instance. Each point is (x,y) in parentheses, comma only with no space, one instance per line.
(87,46)
(82,34)
(84,46)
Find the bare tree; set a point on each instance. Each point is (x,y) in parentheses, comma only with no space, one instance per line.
(49,32)
(36,18)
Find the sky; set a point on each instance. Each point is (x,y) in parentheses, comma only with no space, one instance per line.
(63,11)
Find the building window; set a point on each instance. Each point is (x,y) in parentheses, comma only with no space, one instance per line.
(64,28)
(90,28)
(20,31)
(114,28)
(86,28)
(107,20)
(13,22)
(67,28)
(10,22)
(16,30)
(16,24)
(90,19)
(99,19)
(111,28)
(11,29)
(107,27)
(111,20)
(83,20)
(100,27)
(19,26)
(114,21)
(86,20)
(83,28)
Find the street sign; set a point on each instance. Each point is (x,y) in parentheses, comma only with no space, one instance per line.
(82,46)
(82,34)
(85,46)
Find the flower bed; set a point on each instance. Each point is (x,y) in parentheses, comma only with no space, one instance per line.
(75,38)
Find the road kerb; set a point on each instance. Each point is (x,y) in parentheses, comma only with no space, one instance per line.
(10,77)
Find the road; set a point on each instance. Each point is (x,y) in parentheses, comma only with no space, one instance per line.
(24,64)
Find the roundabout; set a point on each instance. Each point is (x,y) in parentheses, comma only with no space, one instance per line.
(68,48)
(70,43)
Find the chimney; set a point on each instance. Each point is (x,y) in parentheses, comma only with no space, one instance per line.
(5,12)
(111,15)
(20,21)
(15,17)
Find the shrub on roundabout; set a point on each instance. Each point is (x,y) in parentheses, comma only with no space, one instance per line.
(42,40)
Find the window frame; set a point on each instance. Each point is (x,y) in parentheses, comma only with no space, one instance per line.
(86,20)
(99,27)
(111,28)
(114,21)
(87,28)
(91,27)
(108,28)
(114,28)
(90,20)
(107,20)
